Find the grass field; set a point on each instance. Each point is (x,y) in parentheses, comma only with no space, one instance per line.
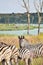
(11,39)
(7,27)
(36,61)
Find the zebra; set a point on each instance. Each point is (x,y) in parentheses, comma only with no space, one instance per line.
(22,53)
(10,51)
(37,49)
(15,54)
(5,53)
(25,55)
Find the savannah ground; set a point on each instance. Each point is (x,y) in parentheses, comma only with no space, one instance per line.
(12,39)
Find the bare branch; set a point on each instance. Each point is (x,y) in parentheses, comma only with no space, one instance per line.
(25,5)
(36,7)
(42,3)
(28,3)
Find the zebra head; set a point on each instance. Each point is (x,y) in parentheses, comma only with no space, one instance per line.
(21,41)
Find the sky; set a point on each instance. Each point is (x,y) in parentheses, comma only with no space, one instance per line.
(14,6)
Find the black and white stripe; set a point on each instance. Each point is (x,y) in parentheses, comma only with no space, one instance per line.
(15,54)
(25,55)
(5,53)
(36,48)
(8,52)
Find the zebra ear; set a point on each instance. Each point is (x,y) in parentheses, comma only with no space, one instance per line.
(19,37)
(23,37)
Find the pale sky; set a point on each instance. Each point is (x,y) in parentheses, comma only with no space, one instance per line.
(9,6)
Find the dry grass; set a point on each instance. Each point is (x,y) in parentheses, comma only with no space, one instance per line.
(14,39)
(10,40)
(31,39)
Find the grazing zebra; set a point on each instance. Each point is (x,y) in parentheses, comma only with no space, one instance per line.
(7,53)
(37,49)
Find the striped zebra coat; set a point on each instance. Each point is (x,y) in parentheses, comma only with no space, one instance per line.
(26,55)
(22,53)
(34,50)
(7,53)
(37,49)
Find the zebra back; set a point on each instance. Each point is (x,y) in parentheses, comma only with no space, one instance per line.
(15,51)
(25,53)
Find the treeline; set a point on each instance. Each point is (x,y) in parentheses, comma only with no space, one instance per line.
(20,18)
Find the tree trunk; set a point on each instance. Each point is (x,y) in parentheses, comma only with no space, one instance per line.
(39,20)
(28,19)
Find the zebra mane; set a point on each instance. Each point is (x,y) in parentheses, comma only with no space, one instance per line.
(32,44)
(3,43)
(27,41)
(23,42)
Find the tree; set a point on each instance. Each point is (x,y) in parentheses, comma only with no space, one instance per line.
(26,6)
(38,6)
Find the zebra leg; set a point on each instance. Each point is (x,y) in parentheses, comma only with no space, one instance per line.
(29,61)
(12,61)
(4,62)
(9,62)
(16,60)
(26,61)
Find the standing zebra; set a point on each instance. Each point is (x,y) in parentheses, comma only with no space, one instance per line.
(37,48)
(21,53)
(25,55)
(15,54)
(7,53)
